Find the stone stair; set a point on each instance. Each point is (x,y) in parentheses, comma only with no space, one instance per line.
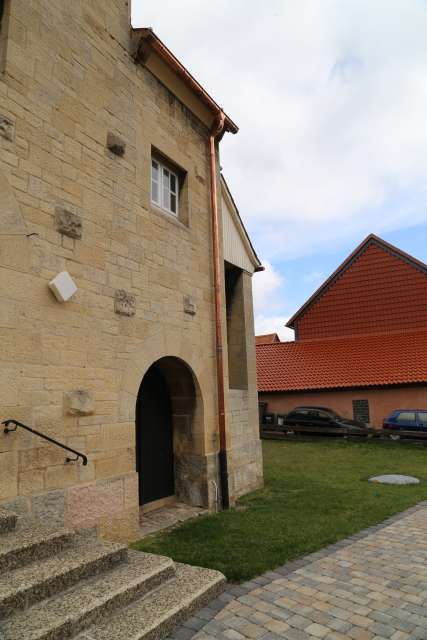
(7,521)
(62,584)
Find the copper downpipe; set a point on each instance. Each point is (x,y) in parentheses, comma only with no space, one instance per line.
(223,468)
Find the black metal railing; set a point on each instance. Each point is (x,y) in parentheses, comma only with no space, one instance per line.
(17,424)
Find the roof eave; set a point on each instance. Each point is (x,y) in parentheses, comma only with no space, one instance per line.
(348,387)
(145,41)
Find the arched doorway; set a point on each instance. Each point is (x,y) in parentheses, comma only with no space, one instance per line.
(169,434)
(154,438)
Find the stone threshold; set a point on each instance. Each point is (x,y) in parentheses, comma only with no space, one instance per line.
(167,517)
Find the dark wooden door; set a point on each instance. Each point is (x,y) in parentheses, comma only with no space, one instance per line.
(154,443)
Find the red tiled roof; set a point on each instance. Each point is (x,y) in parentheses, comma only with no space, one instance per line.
(358,361)
(378,288)
(267,338)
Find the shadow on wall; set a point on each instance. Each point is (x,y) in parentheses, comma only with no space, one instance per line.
(15,245)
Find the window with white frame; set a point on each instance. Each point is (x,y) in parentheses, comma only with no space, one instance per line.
(164,187)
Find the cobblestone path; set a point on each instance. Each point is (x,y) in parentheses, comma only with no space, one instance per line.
(372,586)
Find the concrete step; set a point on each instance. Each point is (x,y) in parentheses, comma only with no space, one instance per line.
(90,601)
(20,547)
(156,615)
(7,521)
(41,579)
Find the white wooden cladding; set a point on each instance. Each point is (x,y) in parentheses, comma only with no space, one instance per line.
(235,250)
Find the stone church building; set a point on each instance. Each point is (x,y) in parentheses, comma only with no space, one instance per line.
(126,320)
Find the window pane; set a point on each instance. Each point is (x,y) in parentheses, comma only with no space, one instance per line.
(164,187)
(173,203)
(405,416)
(155,192)
(423,416)
(166,198)
(154,170)
(166,190)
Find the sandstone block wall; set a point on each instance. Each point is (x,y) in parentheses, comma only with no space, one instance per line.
(246,455)
(67,83)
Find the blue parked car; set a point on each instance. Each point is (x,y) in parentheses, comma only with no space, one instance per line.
(406,420)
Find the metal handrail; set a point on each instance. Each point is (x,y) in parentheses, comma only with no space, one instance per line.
(42,435)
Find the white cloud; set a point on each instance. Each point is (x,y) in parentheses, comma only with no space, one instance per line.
(331,100)
(273,324)
(269,302)
(267,286)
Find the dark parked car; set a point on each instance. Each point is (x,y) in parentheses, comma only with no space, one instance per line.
(323,421)
(406,420)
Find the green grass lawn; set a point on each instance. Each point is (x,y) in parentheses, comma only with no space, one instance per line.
(315,494)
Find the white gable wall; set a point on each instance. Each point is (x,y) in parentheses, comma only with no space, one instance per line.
(235,250)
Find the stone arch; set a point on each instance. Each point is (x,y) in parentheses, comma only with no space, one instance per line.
(190,378)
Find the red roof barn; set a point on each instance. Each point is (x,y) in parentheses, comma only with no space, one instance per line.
(267,338)
(360,340)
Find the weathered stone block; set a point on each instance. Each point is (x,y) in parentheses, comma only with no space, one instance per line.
(87,504)
(191,479)
(8,390)
(7,128)
(11,218)
(122,462)
(48,508)
(124,303)
(40,458)
(116,145)
(31,481)
(20,506)
(68,223)
(190,306)
(61,476)
(124,528)
(15,252)
(131,487)
(79,402)
(8,475)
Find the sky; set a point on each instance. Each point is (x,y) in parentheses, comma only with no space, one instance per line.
(331,100)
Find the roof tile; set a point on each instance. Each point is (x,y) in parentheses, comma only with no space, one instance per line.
(380,289)
(267,338)
(357,361)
